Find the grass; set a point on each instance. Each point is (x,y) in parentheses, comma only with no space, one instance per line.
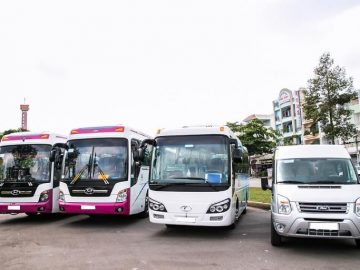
(259,195)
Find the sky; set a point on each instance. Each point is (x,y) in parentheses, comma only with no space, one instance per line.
(156,64)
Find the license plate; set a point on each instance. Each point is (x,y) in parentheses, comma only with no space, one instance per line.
(14,207)
(186,220)
(324,226)
(88,207)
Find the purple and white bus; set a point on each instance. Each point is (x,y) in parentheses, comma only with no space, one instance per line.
(30,171)
(100,175)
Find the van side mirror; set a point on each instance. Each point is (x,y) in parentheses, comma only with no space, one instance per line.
(265,183)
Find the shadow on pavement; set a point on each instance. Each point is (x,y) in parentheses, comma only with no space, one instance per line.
(106,221)
(320,246)
(37,219)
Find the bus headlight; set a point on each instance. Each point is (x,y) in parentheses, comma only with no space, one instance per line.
(156,206)
(122,196)
(283,204)
(219,207)
(357,207)
(44,196)
(61,196)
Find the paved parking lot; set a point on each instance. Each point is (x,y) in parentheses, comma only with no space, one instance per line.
(81,242)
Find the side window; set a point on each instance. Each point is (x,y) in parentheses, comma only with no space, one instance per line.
(134,169)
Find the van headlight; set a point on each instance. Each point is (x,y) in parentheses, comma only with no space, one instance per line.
(357,207)
(283,205)
(61,196)
(122,196)
(219,207)
(44,196)
(156,206)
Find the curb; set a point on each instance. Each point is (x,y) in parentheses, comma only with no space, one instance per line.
(265,206)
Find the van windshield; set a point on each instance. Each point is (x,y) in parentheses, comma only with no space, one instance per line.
(316,171)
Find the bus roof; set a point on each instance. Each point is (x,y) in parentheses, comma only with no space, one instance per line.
(311,151)
(198,130)
(118,131)
(32,138)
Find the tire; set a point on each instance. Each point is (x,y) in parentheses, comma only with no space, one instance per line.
(170,226)
(31,214)
(245,209)
(231,226)
(145,213)
(357,243)
(276,239)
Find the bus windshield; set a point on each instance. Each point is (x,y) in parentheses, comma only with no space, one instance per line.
(102,159)
(25,163)
(316,171)
(201,159)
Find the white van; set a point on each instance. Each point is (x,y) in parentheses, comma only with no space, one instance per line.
(315,193)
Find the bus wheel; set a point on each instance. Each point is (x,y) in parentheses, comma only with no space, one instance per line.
(245,208)
(31,214)
(276,239)
(357,243)
(145,213)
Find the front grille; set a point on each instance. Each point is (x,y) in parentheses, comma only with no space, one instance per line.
(94,192)
(337,208)
(323,233)
(15,193)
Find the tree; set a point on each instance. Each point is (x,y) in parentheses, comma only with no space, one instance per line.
(326,99)
(255,136)
(6,132)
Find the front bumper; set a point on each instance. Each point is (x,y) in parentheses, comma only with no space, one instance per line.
(298,225)
(94,208)
(209,220)
(29,207)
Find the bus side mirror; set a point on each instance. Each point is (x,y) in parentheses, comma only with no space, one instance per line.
(237,155)
(139,154)
(53,153)
(265,183)
(234,142)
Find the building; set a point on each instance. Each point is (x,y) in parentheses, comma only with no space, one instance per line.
(24,109)
(288,116)
(267,119)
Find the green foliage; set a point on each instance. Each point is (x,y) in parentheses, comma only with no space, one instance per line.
(259,195)
(9,131)
(255,136)
(326,99)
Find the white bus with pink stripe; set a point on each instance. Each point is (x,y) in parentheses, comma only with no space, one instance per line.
(30,172)
(100,175)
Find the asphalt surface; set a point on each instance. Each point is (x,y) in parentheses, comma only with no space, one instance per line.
(81,242)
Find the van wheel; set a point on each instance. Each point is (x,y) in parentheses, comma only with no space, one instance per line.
(357,243)
(276,239)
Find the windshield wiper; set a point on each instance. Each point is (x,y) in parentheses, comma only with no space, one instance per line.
(167,185)
(190,178)
(324,182)
(291,182)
